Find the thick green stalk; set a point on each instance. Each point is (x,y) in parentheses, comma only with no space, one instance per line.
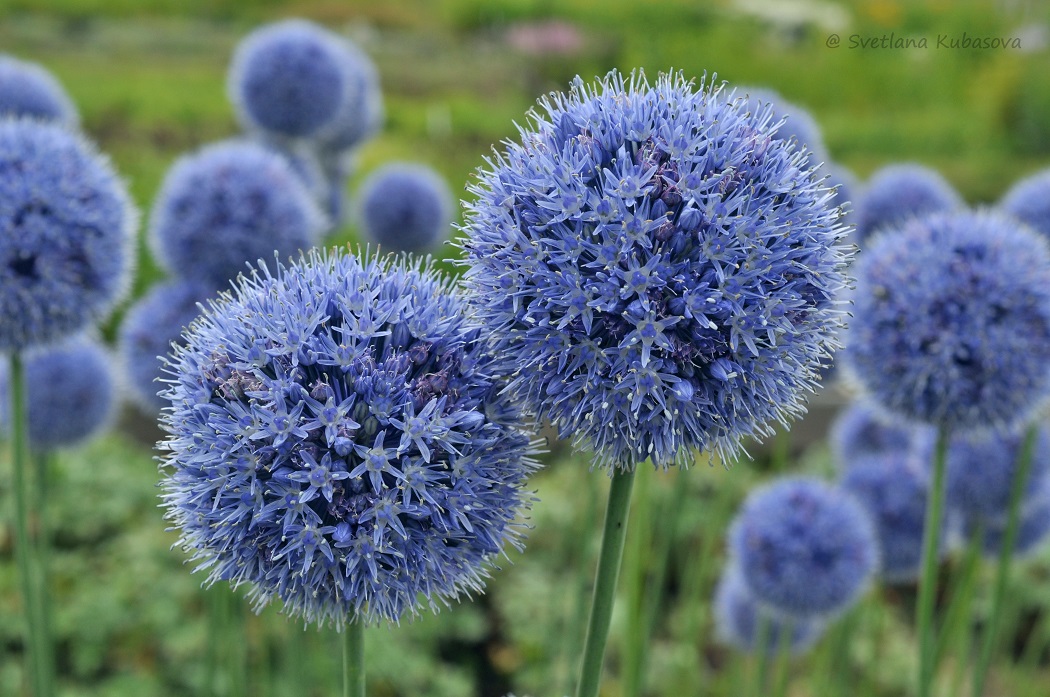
(636,563)
(928,583)
(354,659)
(609,558)
(1006,551)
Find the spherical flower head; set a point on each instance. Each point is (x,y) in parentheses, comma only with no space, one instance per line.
(658,269)
(805,548)
(28,89)
(862,430)
(897,193)
(894,487)
(362,113)
(71,393)
(1032,531)
(227,205)
(336,441)
(66,230)
(1029,201)
(150,327)
(290,78)
(743,624)
(798,124)
(951,321)
(981,467)
(405,207)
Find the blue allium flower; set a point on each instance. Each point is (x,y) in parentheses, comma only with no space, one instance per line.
(336,441)
(952,320)
(27,89)
(897,193)
(150,326)
(66,229)
(362,114)
(894,486)
(71,393)
(229,204)
(742,623)
(1032,532)
(291,79)
(798,124)
(657,269)
(405,207)
(1029,200)
(804,547)
(862,430)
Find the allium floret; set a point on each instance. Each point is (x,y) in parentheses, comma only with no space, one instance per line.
(861,430)
(658,269)
(71,393)
(66,231)
(1029,201)
(743,624)
(805,548)
(336,441)
(405,207)
(897,193)
(229,204)
(150,327)
(29,90)
(951,320)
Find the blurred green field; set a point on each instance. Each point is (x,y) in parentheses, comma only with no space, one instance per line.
(149,79)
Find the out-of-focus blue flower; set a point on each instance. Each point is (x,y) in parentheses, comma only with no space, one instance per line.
(227,205)
(861,430)
(362,114)
(66,229)
(1032,532)
(743,624)
(405,207)
(897,193)
(71,393)
(951,321)
(336,441)
(28,89)
(805,548)
(149,329)
(303,161)
(291,79)
(658,270)
(1029,201)
(893,485)
(798,124)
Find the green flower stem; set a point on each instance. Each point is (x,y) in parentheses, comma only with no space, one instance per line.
(636,562)
(928,583)
(1006,551)
(354,659)
(29,570)
(605,583)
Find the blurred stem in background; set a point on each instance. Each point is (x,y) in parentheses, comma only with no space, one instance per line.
(928,580)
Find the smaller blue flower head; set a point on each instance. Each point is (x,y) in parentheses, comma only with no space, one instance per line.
(290,78)
(798,124)
(1032,532)
(362,114)
(743,624)
(1029,201)
(27,89)
(71,393)
(150,327)
(896,193)
(229,204)
(66,230)
(951,320)
(805,548)
(405,207)
(862,430)
(894,487)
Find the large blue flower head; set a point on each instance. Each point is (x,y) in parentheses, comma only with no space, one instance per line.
(291,79)
(897,193)
(798,124)
(861,430)
(659,271)
(405,207)
(66,230)
(804,548)
(894,487)
(336,441)
(28,89)
(71,395)
(149,329)
(227,205)
(1029,201)
(744,624)
(951,320)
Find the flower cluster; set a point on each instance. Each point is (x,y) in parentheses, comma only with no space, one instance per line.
(657,269)
(405,207)
(1029,201)
(897,193)
(336,441)
(27,89)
